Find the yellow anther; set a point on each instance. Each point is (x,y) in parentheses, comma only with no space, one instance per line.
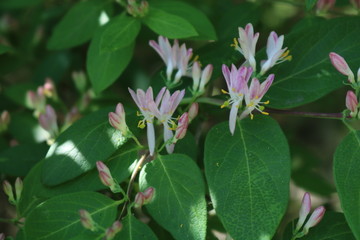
(240,94)
(226,103)
(235,44)
(196,58)
(224,92)
(141,124)
(138,113)
(286,56)
(251,116)
(267,102)
(256,97)
(265,113)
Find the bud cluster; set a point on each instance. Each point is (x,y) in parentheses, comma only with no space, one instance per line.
(137,10)
(145,197)
(37,100)
(106,177)
(9,191)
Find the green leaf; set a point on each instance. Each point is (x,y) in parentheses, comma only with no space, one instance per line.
(105,68)
(133,229)
(121,165)
(10,4)
(179,204)
(333,226)
(248,176)
(310,4)
(169,25)
(58,218)
(195,17)
(77,149)
(77,26)
(347,176)
(4,49)
(120,32)
(310,74)
(17,92)
(18,160)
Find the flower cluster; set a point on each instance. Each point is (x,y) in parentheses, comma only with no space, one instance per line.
(351,101)
(144,197)
(246,45)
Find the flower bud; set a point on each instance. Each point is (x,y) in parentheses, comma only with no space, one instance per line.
(36,100)
(139,200)
(358,75)
(314,219)
(4,120)
(341,65)
(117,119)
(143,8)
(113,230)
(325,5)
(352,103)
(18,188)
(148,195)
(196,74)
(304,210)
(104,174)
(9,191)
(193,111)
(49,88)
(205,77)
(181,129)
(86,220)
(48,121)
(356,4)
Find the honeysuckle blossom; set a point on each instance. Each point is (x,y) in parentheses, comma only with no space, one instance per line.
(143,101)
(325,5)
(164,114)
(236,80)
(117,119)
(48,121)
(49,88)
(106,177)
(314,219)
(275,53)
(247,40)
(145,197)
(352,103)
(304,211)
(254,95)
(200,78)
(341,65)
(174,57)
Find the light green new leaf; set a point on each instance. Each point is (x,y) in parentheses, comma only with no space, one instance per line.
(77,149)
(77,26)
(179,203)
(169,25)
(133,229)
(58,218)
(195,17)
(248,176)
(310,74)
(347,179)
(120,32)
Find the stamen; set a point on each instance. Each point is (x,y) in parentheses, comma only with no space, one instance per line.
(251,116)
(235,44)
(265,113)
(226,103)
(224,92)
(267,102)
(141,124)
(138,113)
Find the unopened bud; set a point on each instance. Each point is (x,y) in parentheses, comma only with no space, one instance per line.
(117,119)
(49,88)
(196,74)
(193,111)
(304,210)
(48,121)
(143,8)
(314,219)
(80,81)
(356,4)
(36,100)
(139,200)
(149,194)
(352,103)
(18,188)
(113,230)
(205,77)
(2,236)
(86,220)
(341,65)
(8,190)
(325,5)
(181,129)
(106,178)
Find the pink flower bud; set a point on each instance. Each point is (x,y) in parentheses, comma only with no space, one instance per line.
(341,65)
(193,111)
(139,200)
(183,124)
(9,191)
(2,236)
(149,195)
(352,103)
(49,88)
(304,210)
(325,5)
(117,119)
(196,74)
(205,77)
(113,230)
(315,218)
(105,175)
(48,121)
(18,188)
(86,220)
(356,3)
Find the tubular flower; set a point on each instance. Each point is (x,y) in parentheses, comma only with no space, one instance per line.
(247,40)
(181,129)
(168,106)
(314,219)
(352,103)
(341,65)
(201,78)
(304,210)
(274,52)
(254,95)
(236,80)
(143,101)
(174,57)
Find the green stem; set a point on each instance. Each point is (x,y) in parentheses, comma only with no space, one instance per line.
(8,220)
(348,125)
(136,140)
(338,116)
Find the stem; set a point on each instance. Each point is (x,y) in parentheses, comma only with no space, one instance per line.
(351,129)
(136,140)
(338,116)
(206,100)
(7,220)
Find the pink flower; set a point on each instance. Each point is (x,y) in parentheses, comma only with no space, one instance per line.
(352,103)
(247,40)
(36,100)
(304,210)
(143,101)
(48,121)
(324,5)
(274,52)
(145,197)
(106,178)
(200,78)
(341,65)
(174,57)
(117,119)
(49,88)
(181,129)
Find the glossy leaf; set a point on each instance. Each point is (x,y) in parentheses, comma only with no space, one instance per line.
(310,74)
(179,204)
(58,218)
(169,25)
(77,26)
(196,18)
(133,229)
(120,32)
(105,68)
(347,175)
(35,192)
(76,150)
(248,176)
